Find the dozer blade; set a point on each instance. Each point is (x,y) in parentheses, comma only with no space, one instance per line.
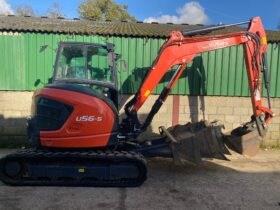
(194,141)
(243,141)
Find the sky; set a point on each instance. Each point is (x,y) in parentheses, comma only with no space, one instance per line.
(176,11)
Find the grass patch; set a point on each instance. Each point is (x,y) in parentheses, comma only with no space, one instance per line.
(270,146)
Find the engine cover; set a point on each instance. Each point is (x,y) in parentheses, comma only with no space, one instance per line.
(72,116)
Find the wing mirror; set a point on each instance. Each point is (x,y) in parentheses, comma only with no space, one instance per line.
(44,47)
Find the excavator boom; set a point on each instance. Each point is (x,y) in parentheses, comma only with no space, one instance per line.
(179,50)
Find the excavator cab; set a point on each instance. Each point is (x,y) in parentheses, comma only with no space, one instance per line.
(88,64)
(80,108)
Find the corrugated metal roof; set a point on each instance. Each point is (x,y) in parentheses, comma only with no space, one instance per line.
(88,27)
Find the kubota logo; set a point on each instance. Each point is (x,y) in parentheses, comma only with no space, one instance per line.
(88,118)
(216,44)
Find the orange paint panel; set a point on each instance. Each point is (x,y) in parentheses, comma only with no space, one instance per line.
(77,141)
(89,125)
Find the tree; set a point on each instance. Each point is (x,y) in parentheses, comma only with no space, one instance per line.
(24,9)
(104,10)
(55,12)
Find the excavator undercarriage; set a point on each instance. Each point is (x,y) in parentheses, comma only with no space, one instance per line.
(33,167)
(126,165)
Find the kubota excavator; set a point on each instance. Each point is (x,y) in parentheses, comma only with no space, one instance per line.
(75,125)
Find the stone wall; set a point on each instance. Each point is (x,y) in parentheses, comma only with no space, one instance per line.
(15,107)
(231,111)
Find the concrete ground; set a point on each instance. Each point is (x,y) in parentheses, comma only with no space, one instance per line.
(242,183)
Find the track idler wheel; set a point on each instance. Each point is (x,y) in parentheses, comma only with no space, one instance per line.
(13,168)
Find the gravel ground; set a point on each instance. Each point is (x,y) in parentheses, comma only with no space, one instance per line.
(242,183)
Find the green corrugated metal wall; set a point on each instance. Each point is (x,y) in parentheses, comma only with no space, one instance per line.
(220,72)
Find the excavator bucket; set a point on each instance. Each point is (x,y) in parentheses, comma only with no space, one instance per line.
(195,141)
(243,141)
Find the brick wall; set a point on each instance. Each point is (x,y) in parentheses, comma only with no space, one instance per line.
(231,111)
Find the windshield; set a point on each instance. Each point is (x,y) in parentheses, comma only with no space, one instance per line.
(84,62)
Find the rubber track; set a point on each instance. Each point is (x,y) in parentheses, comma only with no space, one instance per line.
(116,156)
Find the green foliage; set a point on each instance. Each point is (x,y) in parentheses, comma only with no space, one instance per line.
(55,12)
(104,10)
(24,9)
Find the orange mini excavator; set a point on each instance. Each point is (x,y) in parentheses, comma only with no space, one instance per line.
(80,140)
